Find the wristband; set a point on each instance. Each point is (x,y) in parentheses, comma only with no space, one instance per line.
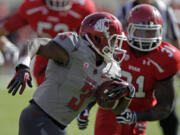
(25,60)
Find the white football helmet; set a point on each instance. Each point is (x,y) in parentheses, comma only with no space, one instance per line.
(59,4)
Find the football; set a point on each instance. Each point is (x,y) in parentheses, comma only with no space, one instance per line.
(104,100)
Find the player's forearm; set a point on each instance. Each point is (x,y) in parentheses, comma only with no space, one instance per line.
(156,113)
(29,49)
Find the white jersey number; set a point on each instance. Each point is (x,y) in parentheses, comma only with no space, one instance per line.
(139,81)
(169,50)
(48,26)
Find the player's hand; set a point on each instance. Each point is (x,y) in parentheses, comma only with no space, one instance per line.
(132,91)
(127,117)
(82,119)
(21,77)
(122,89)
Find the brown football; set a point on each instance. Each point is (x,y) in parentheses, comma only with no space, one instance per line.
(102,98)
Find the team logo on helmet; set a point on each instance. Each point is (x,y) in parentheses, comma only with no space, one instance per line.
(102,25)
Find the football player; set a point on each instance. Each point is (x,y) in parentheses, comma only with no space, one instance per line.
(47,18)
(78,65)
(149,65)
(171,34)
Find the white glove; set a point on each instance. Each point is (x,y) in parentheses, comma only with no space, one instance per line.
(127,117)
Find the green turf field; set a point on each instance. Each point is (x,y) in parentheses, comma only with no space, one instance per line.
(11,106)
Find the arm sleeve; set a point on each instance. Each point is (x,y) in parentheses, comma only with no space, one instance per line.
(14,23)
(170,66)
(67,40)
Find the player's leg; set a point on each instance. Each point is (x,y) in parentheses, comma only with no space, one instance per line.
(33,121)
(170,124)
(105,122)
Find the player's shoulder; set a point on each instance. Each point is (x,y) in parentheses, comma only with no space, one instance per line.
(67,36)
(84,6)
(168,50)
(67,39)
(166,53)
(72,42)
(27,4)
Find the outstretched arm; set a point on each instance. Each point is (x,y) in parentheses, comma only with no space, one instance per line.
(45,48)
(42,46)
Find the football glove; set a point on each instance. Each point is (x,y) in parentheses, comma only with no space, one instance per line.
(82,119)
(21,77)
(127,117)
(121,89)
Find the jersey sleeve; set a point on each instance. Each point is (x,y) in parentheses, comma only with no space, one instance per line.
(17,20)
(67,40)
(169,63)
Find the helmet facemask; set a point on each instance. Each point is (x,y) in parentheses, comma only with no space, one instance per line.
(58,5)
(144,37)
(113,48)
(105,35)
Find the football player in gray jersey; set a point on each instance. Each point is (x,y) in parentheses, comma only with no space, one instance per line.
(78,65)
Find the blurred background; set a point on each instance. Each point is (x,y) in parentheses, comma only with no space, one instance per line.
(10,107)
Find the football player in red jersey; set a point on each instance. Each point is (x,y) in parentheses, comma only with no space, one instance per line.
(149,65)
(47,18)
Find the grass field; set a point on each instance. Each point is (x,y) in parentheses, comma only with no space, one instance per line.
(11,106)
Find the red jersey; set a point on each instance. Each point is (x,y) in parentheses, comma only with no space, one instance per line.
(143,71)
(47,23)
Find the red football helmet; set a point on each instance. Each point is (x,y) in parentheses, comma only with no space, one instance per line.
(144,32)
(59,4)
(105,34)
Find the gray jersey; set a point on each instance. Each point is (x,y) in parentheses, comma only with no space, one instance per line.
(68,89)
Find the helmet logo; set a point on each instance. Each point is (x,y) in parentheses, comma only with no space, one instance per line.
(102,25)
